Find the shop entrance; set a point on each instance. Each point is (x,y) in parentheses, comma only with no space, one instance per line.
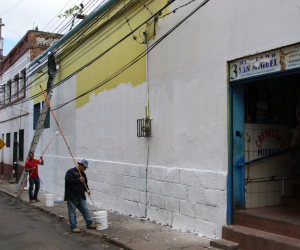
(264,155)
(272,116)
(265,141)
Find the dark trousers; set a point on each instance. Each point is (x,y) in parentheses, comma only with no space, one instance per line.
(34,182)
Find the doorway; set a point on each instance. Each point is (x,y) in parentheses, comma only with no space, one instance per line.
(265,137)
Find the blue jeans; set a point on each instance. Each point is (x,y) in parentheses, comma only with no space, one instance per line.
(34,181)
(83,208)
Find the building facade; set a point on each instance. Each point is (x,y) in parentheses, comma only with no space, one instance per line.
(213,83)
(14,108)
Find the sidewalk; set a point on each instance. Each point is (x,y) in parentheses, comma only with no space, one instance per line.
(125,231)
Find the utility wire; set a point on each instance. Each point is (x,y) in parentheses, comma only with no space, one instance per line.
(95,59)
(11,73)
(137,58)
(10,8)
(47,44)
(74,38)
(77,46)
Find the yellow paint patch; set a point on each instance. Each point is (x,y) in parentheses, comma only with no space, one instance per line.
(107,31)
(105,70)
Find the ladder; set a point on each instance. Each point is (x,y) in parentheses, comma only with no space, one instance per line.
(36,137)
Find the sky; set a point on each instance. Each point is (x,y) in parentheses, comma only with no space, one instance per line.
(19,16)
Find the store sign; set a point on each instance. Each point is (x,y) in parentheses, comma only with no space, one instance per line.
(269,133)
(265,63)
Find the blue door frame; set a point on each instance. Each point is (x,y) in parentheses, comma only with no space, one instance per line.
(236,176)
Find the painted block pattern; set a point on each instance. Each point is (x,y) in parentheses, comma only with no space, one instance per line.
(186,199)
(195,201)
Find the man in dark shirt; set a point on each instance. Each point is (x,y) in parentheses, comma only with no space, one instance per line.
(75,195)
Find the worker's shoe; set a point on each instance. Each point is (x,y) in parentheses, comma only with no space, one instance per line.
(32,201)
(37,200)
(91,227)
(76,230)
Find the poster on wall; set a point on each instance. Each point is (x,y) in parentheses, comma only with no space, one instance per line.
(265,63)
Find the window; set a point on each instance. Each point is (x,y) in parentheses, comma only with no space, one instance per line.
(16,87)
(36,114)
(21,144)
(22,83)
(2,95)
(8,89)
(7,140)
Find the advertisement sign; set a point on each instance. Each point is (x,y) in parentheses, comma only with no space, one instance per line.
(2,144)
(265,63)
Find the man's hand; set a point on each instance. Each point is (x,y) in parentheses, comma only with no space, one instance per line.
(33,169)
(81,179)
(89,192)
(41,158)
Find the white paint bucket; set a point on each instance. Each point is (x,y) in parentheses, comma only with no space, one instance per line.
(101,220)
(49,200)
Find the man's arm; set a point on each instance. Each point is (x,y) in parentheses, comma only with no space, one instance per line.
(28,169)
(41,162)
(70,179)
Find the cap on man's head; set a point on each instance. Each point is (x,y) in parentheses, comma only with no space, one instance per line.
(84,162)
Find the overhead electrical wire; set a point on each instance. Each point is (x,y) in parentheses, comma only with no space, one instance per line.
(59,13)
(10,8)
(106,51)
(150,48)
(50,40)
(71,40)
(130,63)
(98,37)
(80,44)
(12,96)
(17,69)
(80,34)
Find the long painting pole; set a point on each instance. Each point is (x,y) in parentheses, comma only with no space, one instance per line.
(66,143)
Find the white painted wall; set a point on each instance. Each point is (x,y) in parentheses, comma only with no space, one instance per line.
(10,112)
(188,153)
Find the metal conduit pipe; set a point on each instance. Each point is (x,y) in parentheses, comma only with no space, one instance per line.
(273,178)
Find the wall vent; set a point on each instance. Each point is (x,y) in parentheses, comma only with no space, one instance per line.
(144,127)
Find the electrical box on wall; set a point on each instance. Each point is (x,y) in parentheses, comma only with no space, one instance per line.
(144,127)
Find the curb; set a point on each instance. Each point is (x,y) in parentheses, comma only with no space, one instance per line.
(65,220)
(27,203)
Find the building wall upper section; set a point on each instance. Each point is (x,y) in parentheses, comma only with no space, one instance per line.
(13,81)
(15,65)
(102,39)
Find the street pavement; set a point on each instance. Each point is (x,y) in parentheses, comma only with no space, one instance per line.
(125,231)
(25,228)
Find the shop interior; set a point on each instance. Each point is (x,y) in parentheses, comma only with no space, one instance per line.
(272,126)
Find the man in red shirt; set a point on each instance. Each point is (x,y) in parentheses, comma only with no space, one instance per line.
(31,166)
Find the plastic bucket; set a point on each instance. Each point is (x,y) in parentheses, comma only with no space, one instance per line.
(101,220)
(49,200)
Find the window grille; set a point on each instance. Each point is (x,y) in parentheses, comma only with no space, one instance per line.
(8,140)
(21,144)
(36,114)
